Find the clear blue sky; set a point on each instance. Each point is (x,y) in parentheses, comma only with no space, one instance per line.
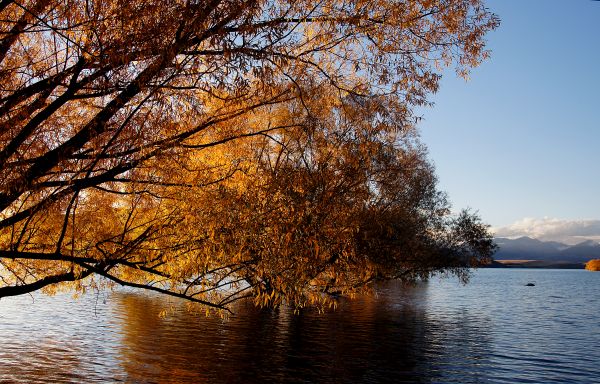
(522,137)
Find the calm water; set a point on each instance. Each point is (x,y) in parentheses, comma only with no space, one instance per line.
(493,330)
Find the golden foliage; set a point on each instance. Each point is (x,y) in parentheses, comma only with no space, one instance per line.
(593,265)
(229,149)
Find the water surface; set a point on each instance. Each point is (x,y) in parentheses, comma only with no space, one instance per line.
(493,330)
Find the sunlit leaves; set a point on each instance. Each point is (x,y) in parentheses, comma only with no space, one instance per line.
(593,265)
(223,149)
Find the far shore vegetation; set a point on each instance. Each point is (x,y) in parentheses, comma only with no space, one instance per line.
(593,265)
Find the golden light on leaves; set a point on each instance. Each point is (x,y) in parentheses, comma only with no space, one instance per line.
(226,150)
(593,265)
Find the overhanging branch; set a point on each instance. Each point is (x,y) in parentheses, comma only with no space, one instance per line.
(39,284)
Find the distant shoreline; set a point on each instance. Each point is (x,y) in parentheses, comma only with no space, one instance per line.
(535,264)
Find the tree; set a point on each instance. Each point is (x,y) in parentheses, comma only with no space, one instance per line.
(593,265)
(225,149)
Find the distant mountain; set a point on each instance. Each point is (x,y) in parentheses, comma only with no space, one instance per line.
(557,245)
(526,248)
(583,251)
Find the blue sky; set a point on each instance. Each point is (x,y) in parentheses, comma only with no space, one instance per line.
(521,138)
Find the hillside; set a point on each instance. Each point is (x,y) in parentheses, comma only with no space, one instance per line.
(526,248)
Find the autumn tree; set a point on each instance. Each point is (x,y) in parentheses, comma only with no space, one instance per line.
(225,149)
(593,265)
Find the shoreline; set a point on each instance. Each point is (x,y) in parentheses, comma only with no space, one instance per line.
(535,264)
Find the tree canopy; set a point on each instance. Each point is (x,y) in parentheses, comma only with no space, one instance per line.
(593,265)
(222,149)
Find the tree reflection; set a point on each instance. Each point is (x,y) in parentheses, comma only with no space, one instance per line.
(393,337)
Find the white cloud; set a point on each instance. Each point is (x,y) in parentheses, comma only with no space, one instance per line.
(546,229)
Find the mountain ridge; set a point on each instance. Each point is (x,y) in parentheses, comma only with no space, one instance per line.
(527,248)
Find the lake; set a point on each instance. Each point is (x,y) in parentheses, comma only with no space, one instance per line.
(493,330)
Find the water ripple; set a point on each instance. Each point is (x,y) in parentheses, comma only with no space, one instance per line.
(493,330)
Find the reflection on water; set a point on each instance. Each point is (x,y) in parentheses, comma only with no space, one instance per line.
(389,338)
(493,330)
(55,339)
